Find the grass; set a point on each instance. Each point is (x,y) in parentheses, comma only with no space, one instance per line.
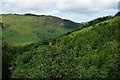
(19,29)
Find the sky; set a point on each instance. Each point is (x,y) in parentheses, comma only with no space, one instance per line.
(75,10)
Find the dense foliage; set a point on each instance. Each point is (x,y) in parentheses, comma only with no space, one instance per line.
(7,57)
(90,51)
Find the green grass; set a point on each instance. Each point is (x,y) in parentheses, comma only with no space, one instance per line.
(20,30)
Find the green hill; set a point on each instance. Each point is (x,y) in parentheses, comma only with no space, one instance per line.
(19,30)
(92,52)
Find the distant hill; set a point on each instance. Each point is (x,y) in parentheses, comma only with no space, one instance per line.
(92,52)
(117,14)
(19,30)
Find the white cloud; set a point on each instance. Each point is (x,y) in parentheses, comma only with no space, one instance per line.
(87,6)
(53,7)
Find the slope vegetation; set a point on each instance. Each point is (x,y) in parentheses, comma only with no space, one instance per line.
(92,52)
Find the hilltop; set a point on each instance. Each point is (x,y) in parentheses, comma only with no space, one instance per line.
(19,30)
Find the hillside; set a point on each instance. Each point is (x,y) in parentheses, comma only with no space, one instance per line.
(92,52)
(19,30)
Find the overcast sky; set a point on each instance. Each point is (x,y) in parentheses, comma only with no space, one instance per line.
(76,10)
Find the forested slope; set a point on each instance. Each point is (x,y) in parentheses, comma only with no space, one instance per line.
(92,52)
